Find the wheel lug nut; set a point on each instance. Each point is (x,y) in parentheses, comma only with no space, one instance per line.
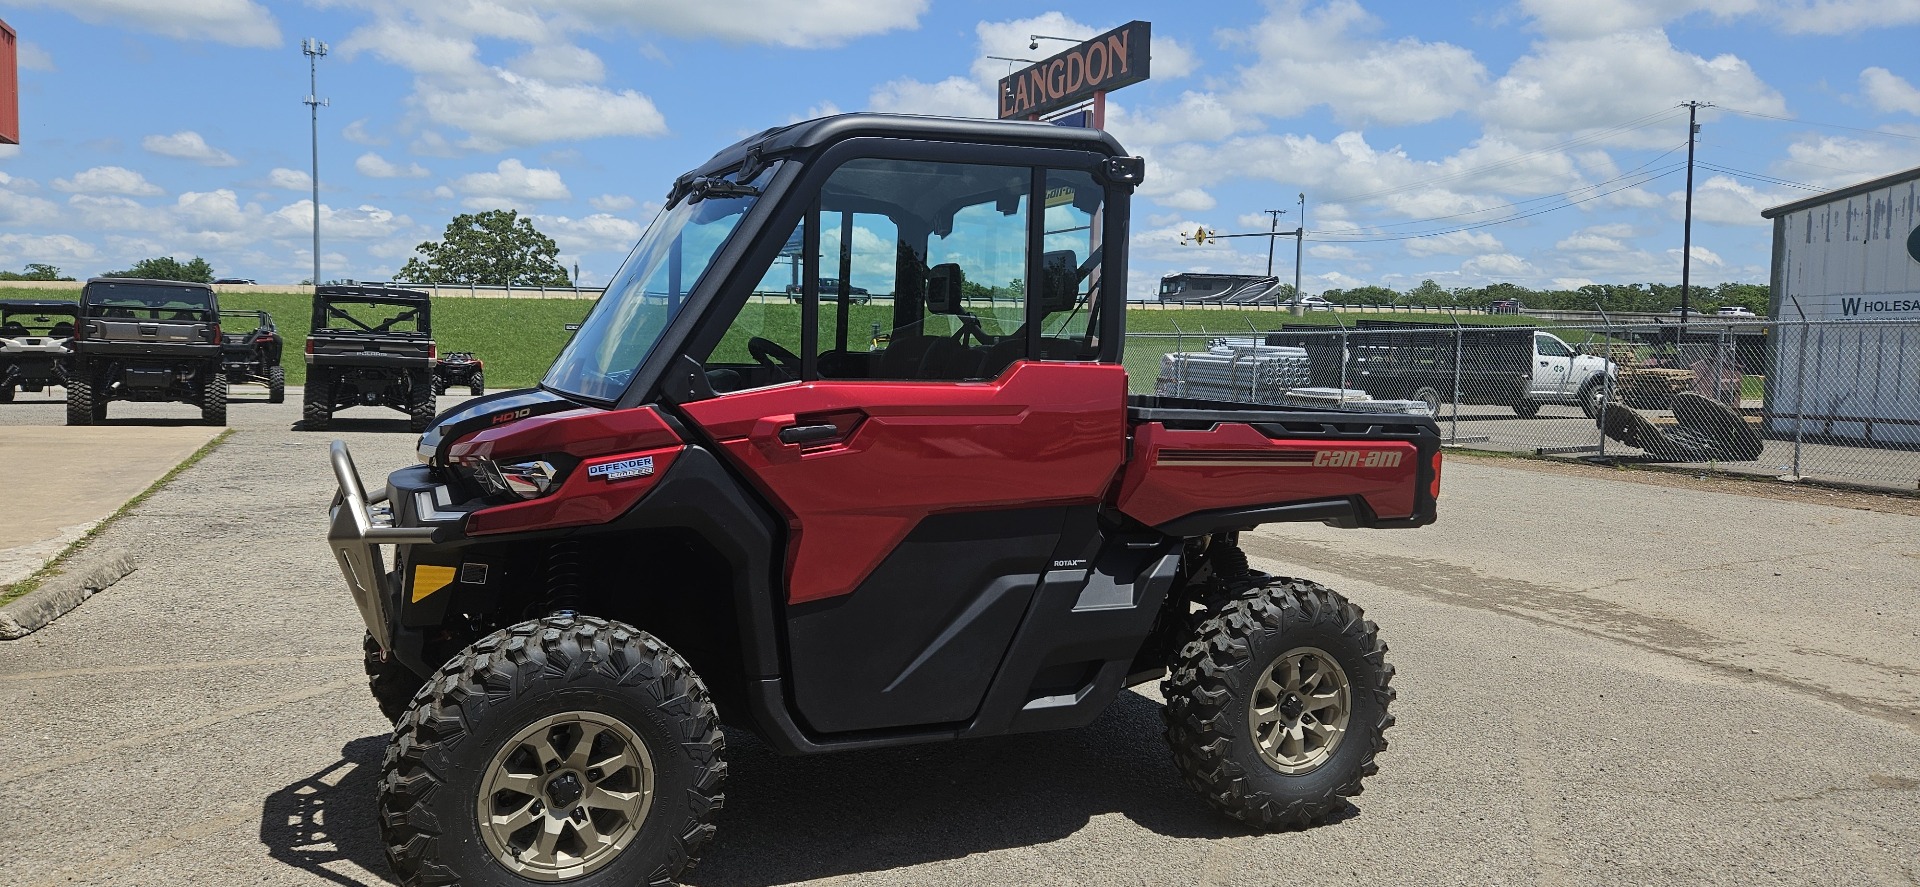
(579,814)
(594,774)
(538,808)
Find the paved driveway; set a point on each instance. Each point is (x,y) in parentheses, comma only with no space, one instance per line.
(1601,681)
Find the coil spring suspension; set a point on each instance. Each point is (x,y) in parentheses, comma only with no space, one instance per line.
(564,574)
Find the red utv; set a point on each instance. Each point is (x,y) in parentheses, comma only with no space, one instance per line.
(935,516)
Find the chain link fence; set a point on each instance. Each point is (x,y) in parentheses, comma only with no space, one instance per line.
(1832,400)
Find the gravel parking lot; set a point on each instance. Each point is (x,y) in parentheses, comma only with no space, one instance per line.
(1601,681)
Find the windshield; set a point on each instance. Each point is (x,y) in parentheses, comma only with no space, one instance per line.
(149,301)
(646,293)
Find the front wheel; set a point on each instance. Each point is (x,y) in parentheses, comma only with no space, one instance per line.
(1593,398)
(1278,705)
(477,385)
(566,748)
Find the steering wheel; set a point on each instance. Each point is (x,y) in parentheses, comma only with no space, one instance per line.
(774,356)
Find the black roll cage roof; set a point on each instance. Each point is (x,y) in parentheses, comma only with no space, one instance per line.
(418,305)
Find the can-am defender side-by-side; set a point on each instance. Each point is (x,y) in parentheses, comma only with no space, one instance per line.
(935,516)
(460,368)
(253,356)
(369,346)
(33,344)
(146,341)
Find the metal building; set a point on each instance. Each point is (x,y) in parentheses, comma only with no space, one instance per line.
(1846,291)
(9,87)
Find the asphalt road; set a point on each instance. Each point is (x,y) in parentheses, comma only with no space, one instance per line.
(1601,681)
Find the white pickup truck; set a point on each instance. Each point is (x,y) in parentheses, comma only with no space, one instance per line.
(1561,374)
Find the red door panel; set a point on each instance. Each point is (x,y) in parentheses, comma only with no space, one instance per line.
(1041,434)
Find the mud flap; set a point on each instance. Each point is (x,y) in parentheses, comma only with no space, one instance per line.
(1704,430)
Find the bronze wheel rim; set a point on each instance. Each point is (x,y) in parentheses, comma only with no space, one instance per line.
(565,796)
(1300,710)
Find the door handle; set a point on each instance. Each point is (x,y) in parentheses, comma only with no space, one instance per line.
(806,434)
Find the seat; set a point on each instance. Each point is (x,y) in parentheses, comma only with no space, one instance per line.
(61,330)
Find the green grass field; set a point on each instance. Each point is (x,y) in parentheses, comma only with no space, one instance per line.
(519,338)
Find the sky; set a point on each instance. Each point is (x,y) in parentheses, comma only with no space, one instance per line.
(1536,142)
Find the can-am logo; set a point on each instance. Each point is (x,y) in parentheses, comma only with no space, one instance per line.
(1356,459)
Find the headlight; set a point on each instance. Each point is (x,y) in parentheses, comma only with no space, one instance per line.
(522,480)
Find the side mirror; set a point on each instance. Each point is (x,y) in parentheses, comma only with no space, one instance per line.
(1059,281)
(944,284)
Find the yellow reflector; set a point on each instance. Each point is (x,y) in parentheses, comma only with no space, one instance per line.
(428,579)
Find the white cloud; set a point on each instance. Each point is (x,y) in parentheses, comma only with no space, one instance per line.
(611,202)
(1725,201)
(356,132)
(1565,87)
(1591,240)
(24,209)
(358,223)
(233,22)
(1193,200)
(1498,265)
(53,249)
(1836,161)
(511,184)
(506,109)
(1455,243)
(561,62)
(217,210)
(1888,91)
(1593,18)
(1844,16)
(188,145)
(952,97)
(116,213)
(109,180)
(1312,57)
(33,58)
(374,166)
(290,179)
(599,232)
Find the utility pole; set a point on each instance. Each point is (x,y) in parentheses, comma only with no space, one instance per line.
(1273,231)
(315,50)
(1686,236)
(1299,249)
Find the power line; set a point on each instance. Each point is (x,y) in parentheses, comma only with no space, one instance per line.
(1744,174)
(1878,132)
(1596,135)
(1651,176)
(1384,227)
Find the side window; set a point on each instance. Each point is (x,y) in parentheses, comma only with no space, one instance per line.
(1070,280)
(938,251)
(1548,346)
(762,344)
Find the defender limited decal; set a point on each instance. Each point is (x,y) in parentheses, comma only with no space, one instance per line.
(622,469)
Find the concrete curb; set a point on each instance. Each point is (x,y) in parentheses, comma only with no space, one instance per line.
(62,593)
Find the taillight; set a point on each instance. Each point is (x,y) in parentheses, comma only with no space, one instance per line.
(216,334)
(309,346)
(433,351)
(1434,488)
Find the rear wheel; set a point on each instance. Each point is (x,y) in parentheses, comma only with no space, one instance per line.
(1526,409)
(276,384)
(477,385)
(80,410)
(566,748)
(316,404)
(1278,705)
(1430,396)
(421,411)
(6,393)
(213,399)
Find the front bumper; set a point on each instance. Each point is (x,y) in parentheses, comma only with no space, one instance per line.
(355,532)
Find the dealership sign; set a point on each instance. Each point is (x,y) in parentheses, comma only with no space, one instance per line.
(1119,57)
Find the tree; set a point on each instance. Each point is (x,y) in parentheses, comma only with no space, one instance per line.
(493,248)
(168,268)
(34,271)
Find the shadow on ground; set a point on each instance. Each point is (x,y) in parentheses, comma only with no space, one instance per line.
(799,819)
(328,817)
